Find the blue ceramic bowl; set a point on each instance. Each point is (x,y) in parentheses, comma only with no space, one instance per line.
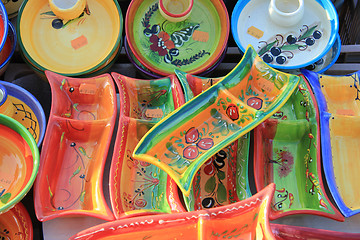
(8,52)
(4,19)
(26,97)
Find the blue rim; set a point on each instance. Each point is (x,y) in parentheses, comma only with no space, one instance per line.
(5,20)
(326,149)
(25,96)
(3,90)
(335,48)
(326,4)
(12,35)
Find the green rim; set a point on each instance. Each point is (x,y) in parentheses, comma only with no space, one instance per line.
(34,63)
(19,128)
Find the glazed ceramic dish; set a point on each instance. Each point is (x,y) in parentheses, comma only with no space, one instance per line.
(223,179)
(287,152)
(138,187)
(4,26)
(26,109)
(75,148)
(70,47)
(8,49)
(19,162)
(338,99)
(302,43)
(247,219)
(16,224)
(192,45)
(184,140)
(288,232)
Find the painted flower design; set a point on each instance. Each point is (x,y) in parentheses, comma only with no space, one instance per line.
(192,137)
(161,43)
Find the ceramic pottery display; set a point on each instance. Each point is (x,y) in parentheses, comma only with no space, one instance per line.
(288,232)
(138,187)
(287,34)
(79,46)
(338,99)
(19,162)
(192,45)
(22,106)
(247,219)
(287,152)
(223,179)
(8,49)
(187,138)
(76,143)
(12,7)
(16,224)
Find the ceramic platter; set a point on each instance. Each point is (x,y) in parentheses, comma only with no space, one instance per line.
(223,179)
(246,219)
(292,47)
(338,99)
(26,110)
(75,148)
(192,46)
(19,162)
(287,152)
(138,187)
(244,98)
(16,224)
(74,47)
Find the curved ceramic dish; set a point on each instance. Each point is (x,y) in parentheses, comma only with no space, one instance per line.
(16,224)
(8,49)
(287,152)
(247,219)
(19,161)
(27,110)
(288,232)
(75,47)
(146,71)
(12,7)
(192,46)
(138,187)
(338,99)
(4,26)
(75,148)
(185,139)
(281,47)
(223,179)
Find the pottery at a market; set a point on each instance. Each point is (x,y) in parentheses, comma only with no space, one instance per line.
(75,47)
(19,162)
(21,105)
(76,144)
(16,224)
(287,34)
(192,45)
(247,219)
(338,99)
(182,142)
(137,187)
(287,153)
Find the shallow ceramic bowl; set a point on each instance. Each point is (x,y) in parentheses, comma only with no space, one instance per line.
(19,158)
(27,110)
(8,49)
(74,47)
(16,222)
(192,46)
(75,148)
(4,26)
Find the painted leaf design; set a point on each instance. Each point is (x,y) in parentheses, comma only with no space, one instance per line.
(291,198)
(82,196)
(210,185)
(280,190)
(221,175)
(291,47)
(5,198)
(308,33)
(75,173)
(75,106)
(221,193)
(83,152)
(322,203)
(50,13)
(266,48)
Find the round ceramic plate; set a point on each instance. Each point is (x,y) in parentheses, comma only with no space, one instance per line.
(27,110)
(16,224)
(73,47)
(281,47)
(19,162)
(191,46)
